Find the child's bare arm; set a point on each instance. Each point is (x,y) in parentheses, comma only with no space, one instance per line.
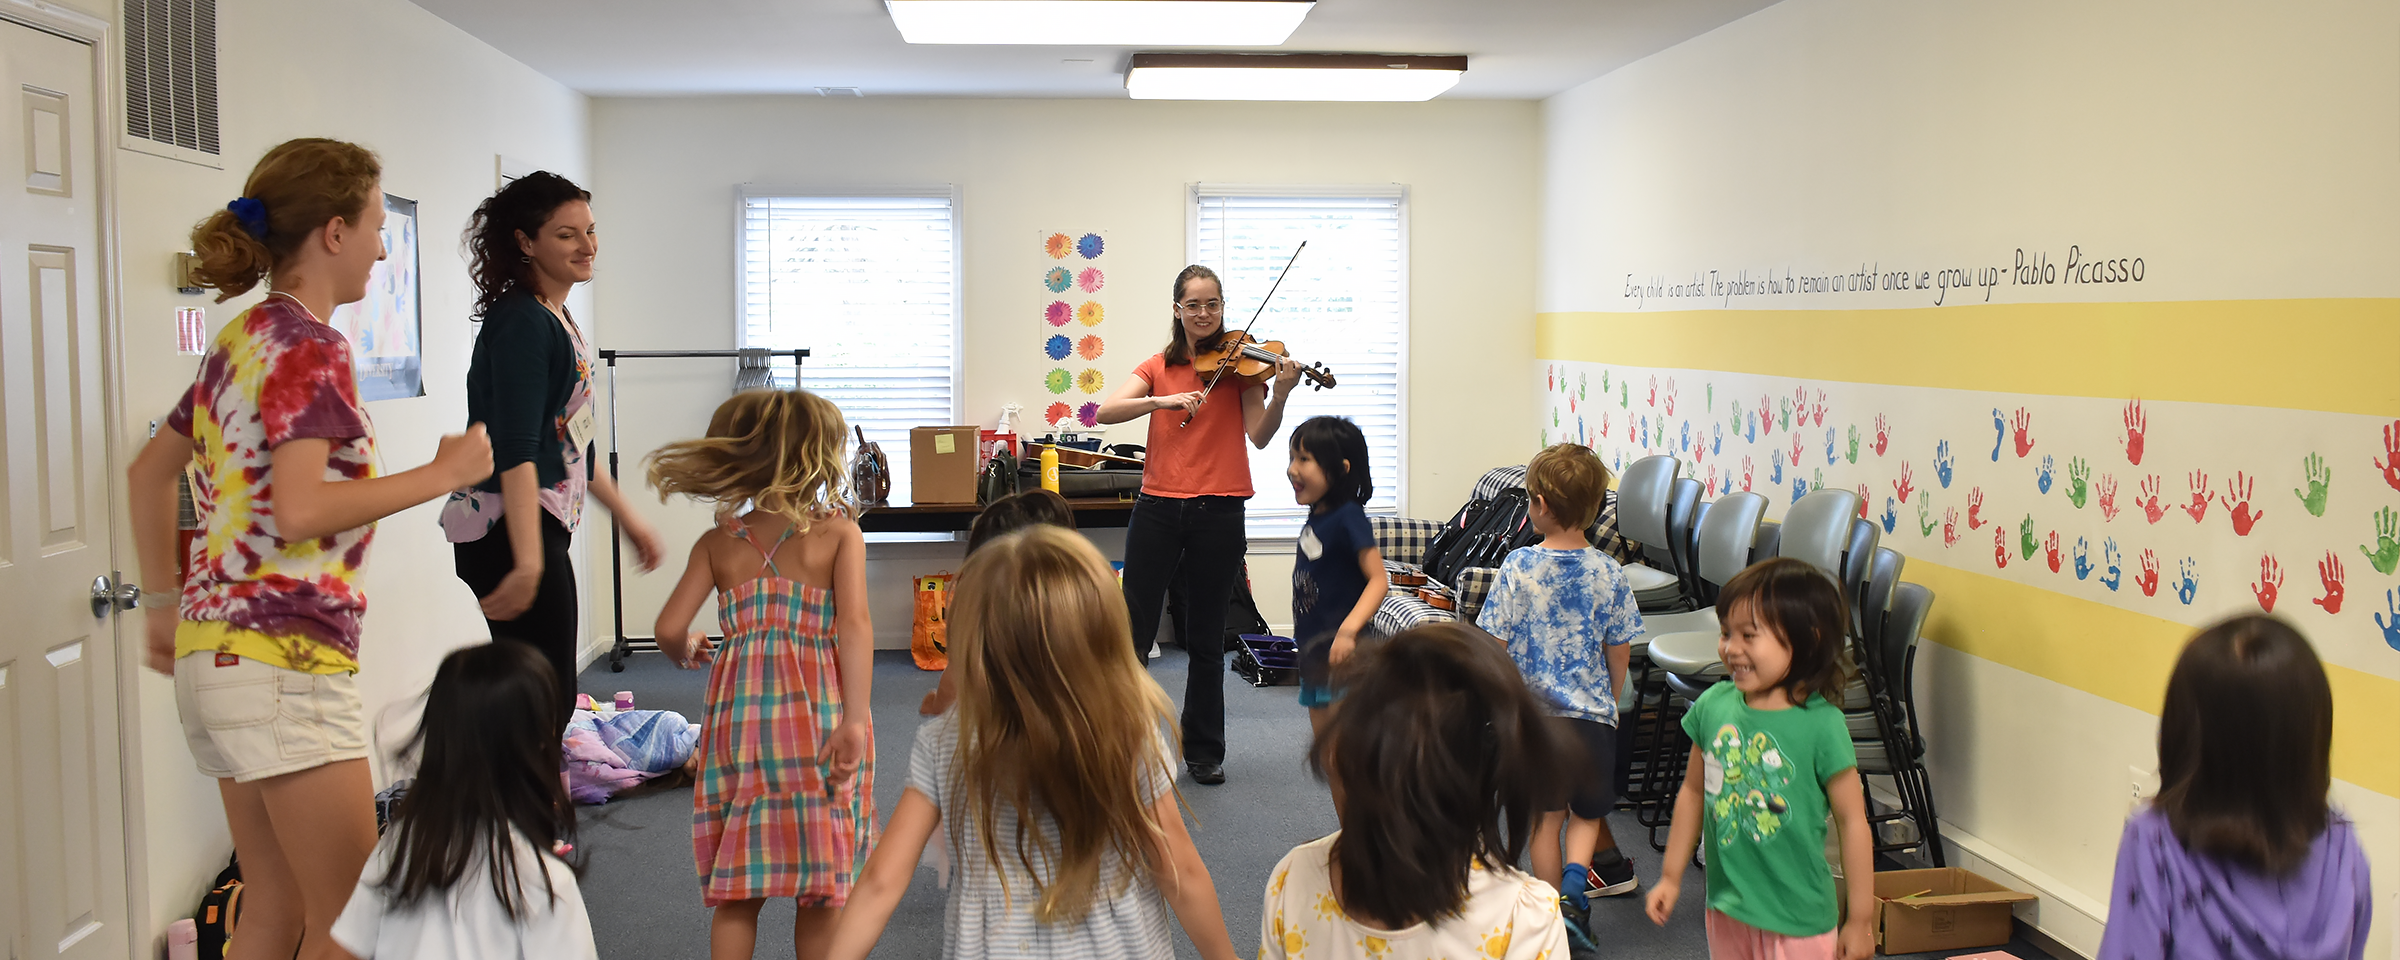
(1620,660)
(854,651)
(886,878)
(1370,562)
(150,486)
(1181,876)
(307,506)
(1681,839)
(674,627)
(1849,804)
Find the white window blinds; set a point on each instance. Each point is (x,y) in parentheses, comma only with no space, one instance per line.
(1344,305)
(869,285)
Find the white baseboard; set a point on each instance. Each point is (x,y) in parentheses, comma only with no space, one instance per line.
(2063,914)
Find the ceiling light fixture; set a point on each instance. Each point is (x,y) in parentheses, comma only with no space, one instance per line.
(1290,76)
(1108,23)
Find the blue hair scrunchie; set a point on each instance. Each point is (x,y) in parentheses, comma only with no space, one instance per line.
(252,214)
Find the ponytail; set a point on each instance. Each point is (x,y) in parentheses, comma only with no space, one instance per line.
(293,191)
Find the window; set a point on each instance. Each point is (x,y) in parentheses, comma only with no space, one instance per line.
(869,286)
(1345,305)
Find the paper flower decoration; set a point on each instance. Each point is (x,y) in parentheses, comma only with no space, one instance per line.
(1090,313)
(1058,380)
(1090,381)
(1088,414)
(1090,347)
(1059,412)
(1057,246)
(1090,280)
(1058,313)
(1057,280)
(1090,246)
(1057,347)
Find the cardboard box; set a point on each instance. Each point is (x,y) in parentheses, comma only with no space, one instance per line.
(941,464)
(1948,908)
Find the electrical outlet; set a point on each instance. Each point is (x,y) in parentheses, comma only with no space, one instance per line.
(2141,785)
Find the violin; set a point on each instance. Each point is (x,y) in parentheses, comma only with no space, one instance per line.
(1243,357)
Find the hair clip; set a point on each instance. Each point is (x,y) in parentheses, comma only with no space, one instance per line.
(253,215)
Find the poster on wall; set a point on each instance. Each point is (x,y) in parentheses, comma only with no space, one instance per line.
(1072,338)
(385,329)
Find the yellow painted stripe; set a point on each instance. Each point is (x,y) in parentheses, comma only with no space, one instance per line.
(2126,656)
(2331,355)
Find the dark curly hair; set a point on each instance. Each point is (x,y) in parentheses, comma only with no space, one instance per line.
(493,257)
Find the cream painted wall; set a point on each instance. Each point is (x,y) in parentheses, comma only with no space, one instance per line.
(666,172)
(2246,152)
(438,106)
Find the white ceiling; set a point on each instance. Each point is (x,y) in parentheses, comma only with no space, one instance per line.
(1517,49)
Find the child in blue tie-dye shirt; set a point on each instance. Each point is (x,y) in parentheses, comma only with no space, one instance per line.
(1567,614)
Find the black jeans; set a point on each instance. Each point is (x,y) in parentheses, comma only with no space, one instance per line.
(549,625)
(1201,541)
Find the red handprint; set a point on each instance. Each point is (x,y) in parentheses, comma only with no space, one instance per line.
(1653,400)
(2148,581)
(2202,496)
(2108,497)
(1883,439)
(1799,405)
(2148,500)
(1603,425)
(2329,573)
(2390,462)
(1974,504)
(1796,448)
(1670,396)
(1747,467)
(2237,503)
(1950,527)
(1862,501)
(2136,425)
(1712,481)
(1816,411)
(1766,420)
(2053,551)
(2000,546)
(2270,580)
(2024,427)
(1699,452)
(1906,484)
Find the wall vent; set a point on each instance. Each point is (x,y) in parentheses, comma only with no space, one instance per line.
(171,73)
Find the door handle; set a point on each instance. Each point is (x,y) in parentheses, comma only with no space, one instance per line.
(107,596)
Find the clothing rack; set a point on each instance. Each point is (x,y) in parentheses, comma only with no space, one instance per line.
(616,564)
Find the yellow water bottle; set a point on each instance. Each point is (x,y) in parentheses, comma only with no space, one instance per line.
(1050,467)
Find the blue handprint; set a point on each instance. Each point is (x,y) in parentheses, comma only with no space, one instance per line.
(2115,572)
(1716,439)
(1831,456)
(1799,486)
(1891,515)
(2186,587)
(1645,430)
(1750,430)
(1686,445)
(2041,478)
(2083,558)
(2391,628)
(1943,462)
(1775,466)
(1999,432)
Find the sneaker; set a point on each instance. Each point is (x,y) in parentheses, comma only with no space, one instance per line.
(1580,945)
(1611,879)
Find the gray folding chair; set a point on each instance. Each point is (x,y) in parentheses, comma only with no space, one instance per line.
(1643,494)
(1818,530)
(1728,535)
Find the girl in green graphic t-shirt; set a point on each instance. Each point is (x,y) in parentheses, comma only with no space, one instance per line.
(1769,755)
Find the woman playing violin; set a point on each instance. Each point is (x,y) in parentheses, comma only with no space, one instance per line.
(1188,522)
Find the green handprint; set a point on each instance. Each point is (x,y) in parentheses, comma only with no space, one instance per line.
(2318,479)
(1783,409)
(1854,443)
(1580,383)
(1712,398)
(2025,540)
(2386,555)
(1925,522)
(2078,475)
(1736,418)
(1603,381)
(1624,395)
(1545,440)
(1554,416)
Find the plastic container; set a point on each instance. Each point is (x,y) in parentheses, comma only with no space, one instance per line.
(624,700)
(183,940)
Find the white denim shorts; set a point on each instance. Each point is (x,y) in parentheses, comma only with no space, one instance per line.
(250,721)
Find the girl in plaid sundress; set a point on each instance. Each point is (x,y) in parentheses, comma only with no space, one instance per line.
(785,805)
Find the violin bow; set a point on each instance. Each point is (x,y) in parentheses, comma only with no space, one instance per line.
(1211,385)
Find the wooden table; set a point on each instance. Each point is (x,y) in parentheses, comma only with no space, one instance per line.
(1090,512)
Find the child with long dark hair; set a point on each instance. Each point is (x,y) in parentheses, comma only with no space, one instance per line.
(2240,856)
(1439,761)
(470,866)
(1337,574)
(1770,755)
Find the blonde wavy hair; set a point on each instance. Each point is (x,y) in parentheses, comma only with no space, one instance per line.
(1055,718)
(778,450)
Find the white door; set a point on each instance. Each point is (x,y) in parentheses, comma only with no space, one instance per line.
(62,863)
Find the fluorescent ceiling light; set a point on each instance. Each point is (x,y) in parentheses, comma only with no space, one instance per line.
(1102,23)
(1279,76)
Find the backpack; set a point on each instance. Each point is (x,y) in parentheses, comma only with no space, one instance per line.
(1501,526)
(220,911)
(1453,532)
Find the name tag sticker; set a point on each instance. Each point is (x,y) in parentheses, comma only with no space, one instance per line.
(579,428)
(1310,546)
(1712,774)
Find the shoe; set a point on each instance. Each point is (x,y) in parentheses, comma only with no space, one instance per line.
(1612,879)
(1580,945)
(1208,774)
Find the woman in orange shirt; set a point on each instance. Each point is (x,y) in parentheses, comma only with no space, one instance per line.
(1189,519)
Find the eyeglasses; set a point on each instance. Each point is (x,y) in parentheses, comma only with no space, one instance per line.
(1203,306)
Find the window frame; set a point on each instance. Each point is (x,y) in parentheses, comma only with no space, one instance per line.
(1193,195)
